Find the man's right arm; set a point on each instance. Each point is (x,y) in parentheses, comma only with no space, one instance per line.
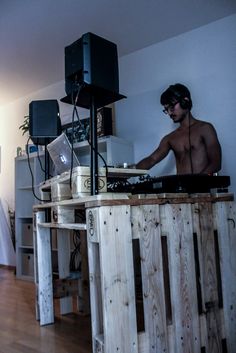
(155,157)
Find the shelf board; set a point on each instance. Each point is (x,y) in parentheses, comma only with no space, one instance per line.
(26,277)
(26,187)
(26,247)
(76,226)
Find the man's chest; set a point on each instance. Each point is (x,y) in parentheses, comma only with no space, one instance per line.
(182,141)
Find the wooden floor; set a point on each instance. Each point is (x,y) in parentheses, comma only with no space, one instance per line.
(21,333)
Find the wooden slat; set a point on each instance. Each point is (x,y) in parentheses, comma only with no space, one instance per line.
(177,226)
(95,292)
(93,236)
(143,342)
(44,267)
(75,226)
(84,303)
(109,199)
(37,217)
(146,223)
(60,214)
(60,191)
(63,253)
(119,313)
(210,301)
(80,202)
(225,223)
(157,199)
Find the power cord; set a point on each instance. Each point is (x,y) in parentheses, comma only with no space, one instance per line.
(190,147)
(32,175)
(75,113)
(75,257)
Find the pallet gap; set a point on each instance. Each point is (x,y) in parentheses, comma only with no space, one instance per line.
(166,279)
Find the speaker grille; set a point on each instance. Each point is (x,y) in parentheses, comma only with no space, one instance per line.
(44,121)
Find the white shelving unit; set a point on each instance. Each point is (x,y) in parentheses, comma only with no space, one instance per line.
(114,150)
(24,200)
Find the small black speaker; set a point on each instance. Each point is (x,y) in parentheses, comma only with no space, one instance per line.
(91,66)
(44,121)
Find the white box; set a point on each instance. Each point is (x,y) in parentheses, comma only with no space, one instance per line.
(81,181)
(60,191)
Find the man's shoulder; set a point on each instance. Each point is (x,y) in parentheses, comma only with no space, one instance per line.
(171,137)
(204,128)
(203,122)
(170,134)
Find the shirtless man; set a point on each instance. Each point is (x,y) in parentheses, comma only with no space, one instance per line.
(194,142)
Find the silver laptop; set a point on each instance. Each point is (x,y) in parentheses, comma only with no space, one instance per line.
(61,154)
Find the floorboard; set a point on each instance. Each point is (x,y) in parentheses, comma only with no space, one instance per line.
(21,333)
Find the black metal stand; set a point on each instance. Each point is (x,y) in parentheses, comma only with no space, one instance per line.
(46,162)
(94,148)
(86,99)
(46,175)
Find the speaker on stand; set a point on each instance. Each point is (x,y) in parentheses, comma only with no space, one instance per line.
(92,81)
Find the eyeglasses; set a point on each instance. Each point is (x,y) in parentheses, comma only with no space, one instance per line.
(170,107)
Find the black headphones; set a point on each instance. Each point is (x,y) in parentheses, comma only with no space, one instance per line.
(184,101)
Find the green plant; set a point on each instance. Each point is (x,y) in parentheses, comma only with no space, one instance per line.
(25,126)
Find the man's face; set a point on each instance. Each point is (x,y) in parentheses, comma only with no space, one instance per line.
(175,111)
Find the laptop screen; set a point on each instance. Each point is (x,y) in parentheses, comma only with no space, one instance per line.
(61,154)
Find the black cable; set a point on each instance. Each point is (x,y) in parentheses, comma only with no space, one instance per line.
(32,175)
(74,102)
(75,257)
(75,112)
(190,147)
(81,125)
(40,162)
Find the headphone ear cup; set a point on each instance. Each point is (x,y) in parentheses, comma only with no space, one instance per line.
(184,103)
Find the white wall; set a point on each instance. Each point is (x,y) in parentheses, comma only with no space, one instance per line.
(203,59)
(11,117)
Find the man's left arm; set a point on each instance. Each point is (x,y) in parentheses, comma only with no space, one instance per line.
(213,150)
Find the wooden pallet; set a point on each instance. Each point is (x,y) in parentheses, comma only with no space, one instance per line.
(186,257)
(188,269)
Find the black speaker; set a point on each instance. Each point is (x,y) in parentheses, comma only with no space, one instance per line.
(91,66)
(44,121)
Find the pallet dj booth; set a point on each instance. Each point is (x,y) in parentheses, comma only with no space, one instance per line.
(162,266)
(181,283)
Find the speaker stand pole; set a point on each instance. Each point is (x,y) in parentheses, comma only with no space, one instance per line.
(46,175)
(94,147)
(46,162)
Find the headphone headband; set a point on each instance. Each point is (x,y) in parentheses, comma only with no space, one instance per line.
(179,92)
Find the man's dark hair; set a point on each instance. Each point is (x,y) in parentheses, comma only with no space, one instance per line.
(177,92)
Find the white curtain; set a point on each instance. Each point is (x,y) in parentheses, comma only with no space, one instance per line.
(7,253)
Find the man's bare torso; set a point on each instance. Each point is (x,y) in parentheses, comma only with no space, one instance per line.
(195,145)
(194,159)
